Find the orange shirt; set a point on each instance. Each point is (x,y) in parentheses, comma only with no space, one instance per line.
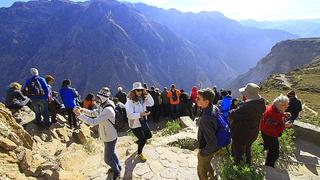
(87,104)
(171,101)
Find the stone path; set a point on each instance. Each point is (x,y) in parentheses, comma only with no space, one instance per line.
(165,162)
(284,80)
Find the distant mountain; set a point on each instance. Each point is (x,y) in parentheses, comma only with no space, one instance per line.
(221,38)
(303,28)
(106,43)
(284,56)
(97,43)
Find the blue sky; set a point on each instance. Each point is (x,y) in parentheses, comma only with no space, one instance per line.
(238,9)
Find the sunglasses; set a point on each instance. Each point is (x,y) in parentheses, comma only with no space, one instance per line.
(139,90)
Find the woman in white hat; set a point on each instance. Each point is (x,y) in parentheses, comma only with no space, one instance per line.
(104,116)
(137,113)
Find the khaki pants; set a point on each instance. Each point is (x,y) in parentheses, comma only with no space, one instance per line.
(204,167)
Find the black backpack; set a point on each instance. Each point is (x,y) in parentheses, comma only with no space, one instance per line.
(174,95)
(34,88)
(119,119)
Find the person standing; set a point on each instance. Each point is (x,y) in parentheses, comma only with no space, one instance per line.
(165,102)
(54,104)
(136,108)
(294,107)
(69,97)
(104,116)
(208,143)
(244,122)
(174,96)
(37,90)
(272,126)
(122,96)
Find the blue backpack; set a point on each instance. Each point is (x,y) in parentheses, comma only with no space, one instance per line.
(223,130)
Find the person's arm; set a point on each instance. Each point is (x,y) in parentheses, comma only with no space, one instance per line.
(149,101)
(208,128)
(90,113)
(130,111)
(20,96)
(44,86)
(234,113)
(106,114)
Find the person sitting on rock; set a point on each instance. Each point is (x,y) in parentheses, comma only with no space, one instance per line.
(136,108)
(104,116)
(272,126)
(15,100)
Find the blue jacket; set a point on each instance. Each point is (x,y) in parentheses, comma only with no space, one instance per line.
(225,105)
(44,86)
(68,96)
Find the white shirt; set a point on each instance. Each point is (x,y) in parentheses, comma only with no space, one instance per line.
(134,109)
(101,117)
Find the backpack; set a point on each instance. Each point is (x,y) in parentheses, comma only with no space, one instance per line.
(223,133)
(119,118)
(174,95)
(34,88)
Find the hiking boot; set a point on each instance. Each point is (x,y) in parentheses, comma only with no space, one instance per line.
(116,177)
(110,171)
(142,158)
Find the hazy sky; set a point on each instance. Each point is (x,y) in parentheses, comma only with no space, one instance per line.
(238,9)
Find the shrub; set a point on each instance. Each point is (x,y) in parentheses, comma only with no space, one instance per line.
(286,142)
(229,171)
(172,127)
(186,143)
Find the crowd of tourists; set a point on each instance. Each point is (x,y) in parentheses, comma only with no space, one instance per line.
(211,109)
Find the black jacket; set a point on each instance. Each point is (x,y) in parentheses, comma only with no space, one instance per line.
(294,107)
(207,130)
(14,99)
(122,97)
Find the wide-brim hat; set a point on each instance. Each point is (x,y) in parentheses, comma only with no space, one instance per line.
(137,85)
(251,91)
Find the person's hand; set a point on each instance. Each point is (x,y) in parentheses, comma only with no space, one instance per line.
(288,125)
(77,111)
(287,114)
(145,113)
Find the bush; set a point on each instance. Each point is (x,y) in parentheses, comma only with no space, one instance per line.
(286,142)
(186,143)
(228,170)
(172,127)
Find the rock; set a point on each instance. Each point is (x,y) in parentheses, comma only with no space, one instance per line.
(12,130)
(79,136)
(24,116)
(25,158)
(7,144)
(63,135)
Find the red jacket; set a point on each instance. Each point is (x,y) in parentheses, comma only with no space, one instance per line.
(194,94)
(273,122)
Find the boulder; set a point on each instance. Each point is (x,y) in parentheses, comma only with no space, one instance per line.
(7,144)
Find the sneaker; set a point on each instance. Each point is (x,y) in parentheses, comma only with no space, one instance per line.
(142,158)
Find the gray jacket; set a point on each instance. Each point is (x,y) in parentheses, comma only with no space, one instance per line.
(207,129)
